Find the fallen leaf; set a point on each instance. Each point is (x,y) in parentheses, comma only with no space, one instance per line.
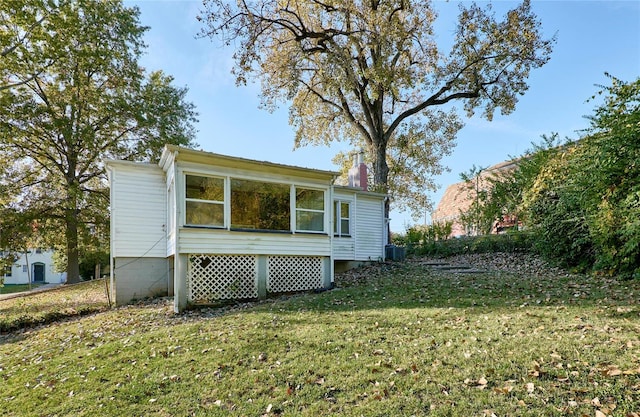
(504,390)
(610,370)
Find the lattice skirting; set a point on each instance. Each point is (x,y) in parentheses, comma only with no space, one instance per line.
(294,273)
(227,277)
(222,277)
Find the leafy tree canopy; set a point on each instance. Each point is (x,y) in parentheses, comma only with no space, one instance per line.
(581,199)
(371,72)
(72,94)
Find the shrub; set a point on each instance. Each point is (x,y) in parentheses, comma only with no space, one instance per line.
(517,241)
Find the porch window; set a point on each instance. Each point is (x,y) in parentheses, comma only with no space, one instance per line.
(257,205)
(309,210)
(341,222)
(204,201)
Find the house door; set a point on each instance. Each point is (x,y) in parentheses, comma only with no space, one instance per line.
(38,272)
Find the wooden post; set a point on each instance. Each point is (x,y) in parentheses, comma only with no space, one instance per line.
(26,258)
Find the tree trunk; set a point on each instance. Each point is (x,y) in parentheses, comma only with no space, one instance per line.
(71,234)
(381,178)
(71,224)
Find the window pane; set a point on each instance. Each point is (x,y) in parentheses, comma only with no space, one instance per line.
(310,220)
(341,218)
(309,199)
(205,214)
(344,224)
(260,205)
(344,210)
(205,188)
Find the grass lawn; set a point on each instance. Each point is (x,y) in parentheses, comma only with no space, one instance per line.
(402,341)
(44,307)
(12,288)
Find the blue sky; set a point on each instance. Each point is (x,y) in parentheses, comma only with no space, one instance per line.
(593,37)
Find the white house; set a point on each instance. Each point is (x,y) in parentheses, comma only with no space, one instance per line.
(36,264)
(206,227)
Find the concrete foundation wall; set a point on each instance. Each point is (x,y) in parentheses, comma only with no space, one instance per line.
(342,266)
(137,278)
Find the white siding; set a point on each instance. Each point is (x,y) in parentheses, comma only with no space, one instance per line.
(172,220)
(369,227)
(194,240)
(344,249)
(138,210)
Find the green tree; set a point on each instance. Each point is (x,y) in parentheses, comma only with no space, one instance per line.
(506,188)
(478,219)
(584,204)
(609,173)
(21,28)
(370,72)
(556,213)
(77,95)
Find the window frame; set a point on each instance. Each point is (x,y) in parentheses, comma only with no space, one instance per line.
(222,203)
(338,218)
(257,230)
(294,204)
(228,179)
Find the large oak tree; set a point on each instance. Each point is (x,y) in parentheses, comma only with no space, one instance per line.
(74,94)
(371,72)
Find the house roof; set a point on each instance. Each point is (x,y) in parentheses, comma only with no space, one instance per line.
(358,190)
(458,197)
(455,199)
(124,163)
(177,153)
